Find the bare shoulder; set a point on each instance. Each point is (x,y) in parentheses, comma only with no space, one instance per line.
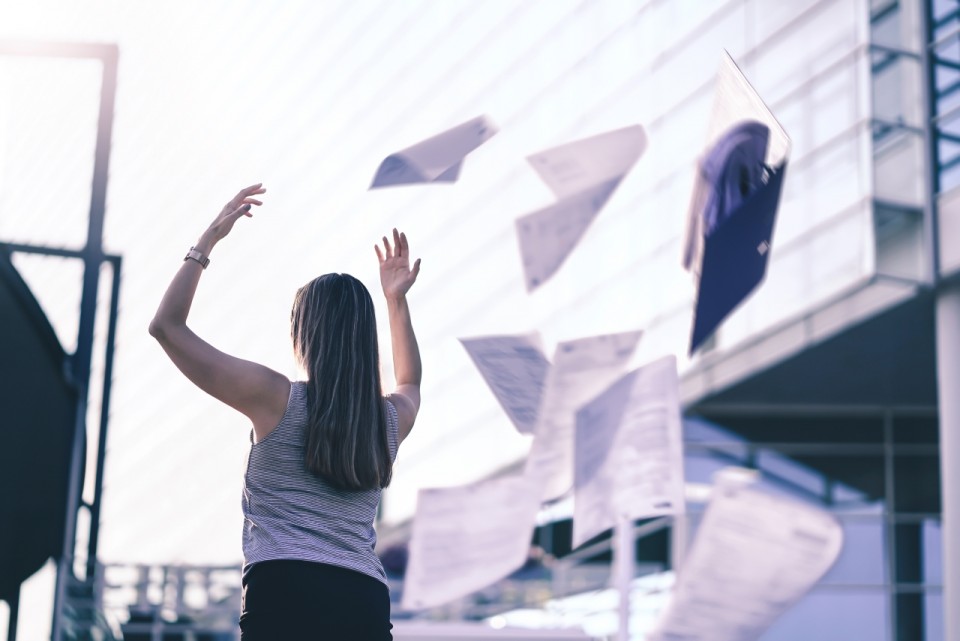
(406,400)
(272,404)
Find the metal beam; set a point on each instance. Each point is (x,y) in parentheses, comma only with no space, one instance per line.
(947,321)
(14,604)
(17,248)
(809,410)
(104,418)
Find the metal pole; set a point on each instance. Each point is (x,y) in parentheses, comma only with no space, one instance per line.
(623,559)
(948,390)
(65,566)
(93,258)
(104,419)
(679,533)
(14,604)
(947,337)
(890,528)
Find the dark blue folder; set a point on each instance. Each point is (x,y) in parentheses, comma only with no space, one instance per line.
(735,257)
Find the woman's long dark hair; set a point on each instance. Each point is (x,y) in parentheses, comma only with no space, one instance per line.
(334,332)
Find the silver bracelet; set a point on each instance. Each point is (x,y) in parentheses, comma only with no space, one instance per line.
(193,254)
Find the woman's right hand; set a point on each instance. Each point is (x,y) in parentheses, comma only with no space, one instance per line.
(396,275)
(238,207)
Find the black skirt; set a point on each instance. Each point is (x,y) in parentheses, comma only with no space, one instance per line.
(301,601)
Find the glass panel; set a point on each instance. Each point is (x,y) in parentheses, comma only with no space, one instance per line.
(898,167)
(766,18)
(840,256)
(832,180)
(803,430)
(860,475)
(826,183)
(932,552)
(685,68)
(917,486)
(832,103)
(686,129)
(834,614)
(900,242)
(685,17)
(897,88)
(933,616)
(788,473)
(908,542)
(700,464)
(948,150)
(896,23)
(862,560)
(820,113)
(910,615)
(820,37)
(916,429)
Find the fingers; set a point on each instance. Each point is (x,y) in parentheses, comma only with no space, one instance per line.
(242,210)
(399,248)
(244,194)
(416,269)
(252,189)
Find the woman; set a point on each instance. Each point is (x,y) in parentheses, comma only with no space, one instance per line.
(321,449)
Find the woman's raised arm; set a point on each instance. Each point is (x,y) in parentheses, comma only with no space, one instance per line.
(256,391)
(396,278)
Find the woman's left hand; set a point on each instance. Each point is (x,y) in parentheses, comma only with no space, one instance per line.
(396,275)
(238,206)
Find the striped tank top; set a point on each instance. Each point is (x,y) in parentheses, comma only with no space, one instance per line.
(289,513)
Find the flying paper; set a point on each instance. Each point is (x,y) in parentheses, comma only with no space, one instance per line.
(581,369)
(465,538)
(629,451)
(734,203)
(583,175)
(755,556)
(436,159)
(515,369)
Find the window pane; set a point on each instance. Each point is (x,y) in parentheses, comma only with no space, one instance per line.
(862,559)
(917,483)
(828,614)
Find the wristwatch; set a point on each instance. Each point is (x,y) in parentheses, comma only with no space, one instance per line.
(193,254)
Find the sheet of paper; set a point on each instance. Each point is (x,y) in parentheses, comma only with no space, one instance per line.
(437,159)
(735,100)
(465,538)
(515,369)
(584,164)
(583,175)
(628,456)
(547,236)
(581,370)
(754,556)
